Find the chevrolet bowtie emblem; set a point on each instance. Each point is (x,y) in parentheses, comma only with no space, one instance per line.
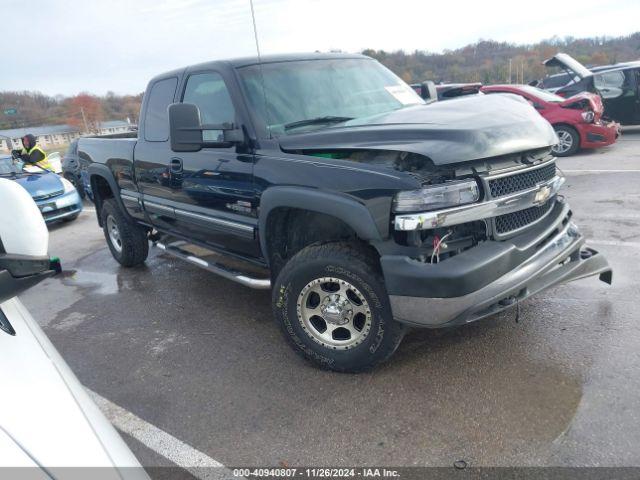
(542,195)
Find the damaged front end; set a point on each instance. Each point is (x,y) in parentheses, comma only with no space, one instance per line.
(476,237)
(468,261)
(482,225)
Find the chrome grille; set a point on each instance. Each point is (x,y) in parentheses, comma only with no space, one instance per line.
(517,220)
(521,181)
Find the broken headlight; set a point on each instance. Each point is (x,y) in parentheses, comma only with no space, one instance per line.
(436,197)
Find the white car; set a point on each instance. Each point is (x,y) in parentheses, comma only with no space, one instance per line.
(47,420)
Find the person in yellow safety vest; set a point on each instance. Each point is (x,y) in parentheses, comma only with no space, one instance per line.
(32,153)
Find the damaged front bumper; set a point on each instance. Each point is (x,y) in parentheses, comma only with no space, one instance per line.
(563,258)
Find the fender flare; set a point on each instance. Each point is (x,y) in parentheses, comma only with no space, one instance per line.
(348,210)
(100,170)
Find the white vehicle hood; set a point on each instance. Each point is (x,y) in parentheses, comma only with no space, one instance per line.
(45,412)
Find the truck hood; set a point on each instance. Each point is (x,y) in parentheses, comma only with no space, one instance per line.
(38,184)
(458,130)
(568,63)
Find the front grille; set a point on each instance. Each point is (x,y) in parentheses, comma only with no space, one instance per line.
(60,211)
(516,220)
(521,181)
(48,195)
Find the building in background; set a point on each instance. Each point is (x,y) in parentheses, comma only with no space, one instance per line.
(57,135)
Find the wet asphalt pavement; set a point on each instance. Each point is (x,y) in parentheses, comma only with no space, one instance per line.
(200,357)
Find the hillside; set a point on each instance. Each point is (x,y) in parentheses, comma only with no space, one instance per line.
(487,61)
(83,110)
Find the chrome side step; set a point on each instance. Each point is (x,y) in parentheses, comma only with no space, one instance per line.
(175,249)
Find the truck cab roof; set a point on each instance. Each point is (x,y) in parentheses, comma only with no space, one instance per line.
(254,60)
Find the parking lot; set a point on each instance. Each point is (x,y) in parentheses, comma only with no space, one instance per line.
(200,358)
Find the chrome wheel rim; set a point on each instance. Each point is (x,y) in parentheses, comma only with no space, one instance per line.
(565,142)
(114,234)
(334,313)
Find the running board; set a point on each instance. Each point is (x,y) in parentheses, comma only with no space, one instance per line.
(217,268)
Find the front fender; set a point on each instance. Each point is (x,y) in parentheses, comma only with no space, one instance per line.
(353,213)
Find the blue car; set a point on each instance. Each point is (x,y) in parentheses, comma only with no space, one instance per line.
(55,196)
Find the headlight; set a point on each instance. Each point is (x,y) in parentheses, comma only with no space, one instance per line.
(449,194)
(588,116)
(68,186)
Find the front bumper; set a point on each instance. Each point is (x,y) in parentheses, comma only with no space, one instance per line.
(561,259)
(58,208)
(595,135)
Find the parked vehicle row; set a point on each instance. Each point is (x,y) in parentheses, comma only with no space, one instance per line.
(577,120)
(364,208)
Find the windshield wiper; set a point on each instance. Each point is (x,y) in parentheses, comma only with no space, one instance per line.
(316,121)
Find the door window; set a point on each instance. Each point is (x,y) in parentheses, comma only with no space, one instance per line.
(209,92)
(610,84)
(156,119)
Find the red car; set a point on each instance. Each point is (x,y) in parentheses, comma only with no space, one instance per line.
(577,120)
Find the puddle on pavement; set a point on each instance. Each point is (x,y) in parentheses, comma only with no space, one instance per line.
(495,392)
(102,283)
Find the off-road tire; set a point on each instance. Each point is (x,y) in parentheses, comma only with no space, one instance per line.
(134,247)
(359,268)
(575,140)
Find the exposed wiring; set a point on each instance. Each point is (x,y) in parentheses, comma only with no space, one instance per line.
(437,244)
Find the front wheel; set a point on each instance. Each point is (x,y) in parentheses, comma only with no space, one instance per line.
(332,306)
(568,141)
(128,241)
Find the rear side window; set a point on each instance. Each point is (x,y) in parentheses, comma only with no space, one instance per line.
(156,119)
(209,92)
(556,81)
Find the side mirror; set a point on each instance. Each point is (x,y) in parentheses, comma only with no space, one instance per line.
(24,239)
(428,91)
(187,134)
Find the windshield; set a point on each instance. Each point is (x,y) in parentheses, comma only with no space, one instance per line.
(7,167)
(312,94)
(542,94)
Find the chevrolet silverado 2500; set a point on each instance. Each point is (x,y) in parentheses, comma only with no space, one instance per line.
(329,180)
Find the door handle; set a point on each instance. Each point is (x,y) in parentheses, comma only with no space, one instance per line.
(175,165)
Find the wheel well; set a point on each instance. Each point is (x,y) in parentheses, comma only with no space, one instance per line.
(101,191)
(289,230)
(568,126)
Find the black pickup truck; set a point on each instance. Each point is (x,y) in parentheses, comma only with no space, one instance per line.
(329,180)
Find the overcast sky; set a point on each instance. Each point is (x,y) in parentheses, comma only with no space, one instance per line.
(101,45)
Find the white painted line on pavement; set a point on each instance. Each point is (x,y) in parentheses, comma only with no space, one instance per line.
(613,217)
(598,171)
(89,209)
(614,243)
(185,456)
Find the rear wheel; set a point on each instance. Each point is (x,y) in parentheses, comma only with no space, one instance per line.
(568,141)
(332,306)
(128,241)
